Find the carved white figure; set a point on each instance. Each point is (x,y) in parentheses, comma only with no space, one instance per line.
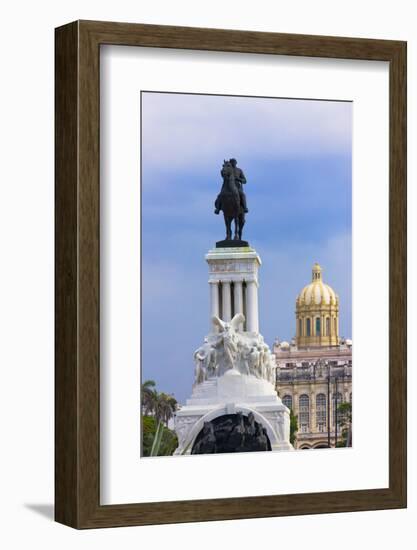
(227,340)
(211,361)
(205,362)
(273,372)
(261,365)
(267,369)
(268,364)
(244,352)
(254,365)
(200,372)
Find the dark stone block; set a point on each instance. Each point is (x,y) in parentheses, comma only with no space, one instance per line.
(231,244)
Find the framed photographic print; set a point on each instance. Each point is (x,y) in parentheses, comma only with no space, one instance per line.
(230,274)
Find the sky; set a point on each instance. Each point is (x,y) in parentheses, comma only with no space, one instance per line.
(296,156)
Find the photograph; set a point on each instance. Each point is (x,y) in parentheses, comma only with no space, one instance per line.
(246,274)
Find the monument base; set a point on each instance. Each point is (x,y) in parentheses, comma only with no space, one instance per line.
(231,243)
(233,394)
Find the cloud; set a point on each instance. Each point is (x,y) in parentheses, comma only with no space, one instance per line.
(183,131)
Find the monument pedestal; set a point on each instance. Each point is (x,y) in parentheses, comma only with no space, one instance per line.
(231,394)
(233,278)
(232,244)
(234,395)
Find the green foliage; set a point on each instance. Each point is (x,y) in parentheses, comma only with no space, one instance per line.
(168,443)
(148,396)
(345,412)
(343,439)
(157,409)
(293,427)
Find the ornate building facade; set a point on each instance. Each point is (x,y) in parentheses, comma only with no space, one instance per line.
(314,371)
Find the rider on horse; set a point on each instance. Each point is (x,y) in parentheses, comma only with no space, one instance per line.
(240,179)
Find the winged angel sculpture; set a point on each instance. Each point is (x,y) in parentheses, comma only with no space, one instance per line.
(228,341)
(230,348)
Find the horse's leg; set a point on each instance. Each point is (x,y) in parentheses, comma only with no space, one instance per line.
(228,222)
(236,228)
(241,224)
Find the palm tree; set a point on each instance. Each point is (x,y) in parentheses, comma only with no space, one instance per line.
(164,409)
(167,407)
(149,397)
(161,406)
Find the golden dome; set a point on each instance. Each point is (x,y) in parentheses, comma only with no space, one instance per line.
(317,292)
(317,313)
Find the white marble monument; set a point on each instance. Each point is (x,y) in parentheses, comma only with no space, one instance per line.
(234,368)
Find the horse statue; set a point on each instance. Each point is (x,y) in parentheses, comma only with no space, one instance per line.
(229,201)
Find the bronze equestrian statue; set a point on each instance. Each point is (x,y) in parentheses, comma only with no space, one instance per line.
(231,199)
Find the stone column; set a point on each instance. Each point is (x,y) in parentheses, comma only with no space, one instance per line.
(214,303)
(252,324)
(238,299)
(295,405)
(226,301)
(313,412)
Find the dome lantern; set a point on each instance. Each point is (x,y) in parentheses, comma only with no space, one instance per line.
(316,272)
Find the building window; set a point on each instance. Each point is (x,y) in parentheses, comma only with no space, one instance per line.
(327,326)
(287,400)
(300,327)
(308,327)
(337,400)
(335,324)
(321,412)
(304,412)
(318,328)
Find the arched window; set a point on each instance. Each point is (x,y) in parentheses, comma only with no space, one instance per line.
(308,327)
(318,325)
(337,400)
(327,326)
(287,400)
(300,327)
(321,412)
(304,413)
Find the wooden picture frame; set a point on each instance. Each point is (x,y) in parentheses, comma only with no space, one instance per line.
(77,374)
